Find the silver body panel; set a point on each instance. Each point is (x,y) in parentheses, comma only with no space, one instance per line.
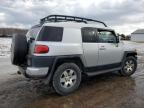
(91,54)
(110,53)
(34,71)
(37,72)
(59,48)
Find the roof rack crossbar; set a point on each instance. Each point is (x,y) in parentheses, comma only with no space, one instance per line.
(59,18)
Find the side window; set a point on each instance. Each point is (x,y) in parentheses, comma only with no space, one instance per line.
(106,36)
(33,32)
(88,35)
(50,34)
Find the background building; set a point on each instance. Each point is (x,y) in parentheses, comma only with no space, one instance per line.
(138,35)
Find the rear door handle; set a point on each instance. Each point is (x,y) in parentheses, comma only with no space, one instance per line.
(102,48)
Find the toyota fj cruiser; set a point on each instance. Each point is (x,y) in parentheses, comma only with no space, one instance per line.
(62,48)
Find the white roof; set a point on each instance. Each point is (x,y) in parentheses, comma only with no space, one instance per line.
(74,25)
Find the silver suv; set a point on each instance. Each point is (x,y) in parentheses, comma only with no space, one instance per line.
(63,48)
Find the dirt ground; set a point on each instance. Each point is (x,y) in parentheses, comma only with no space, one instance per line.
(103,91)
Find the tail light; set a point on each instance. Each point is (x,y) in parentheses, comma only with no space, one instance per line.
(40,49)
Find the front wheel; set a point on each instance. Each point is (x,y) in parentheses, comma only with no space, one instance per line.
(129,66)
(66,78)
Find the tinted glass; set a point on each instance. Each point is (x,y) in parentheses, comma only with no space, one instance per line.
(106,36)
(51,34)
(88,35)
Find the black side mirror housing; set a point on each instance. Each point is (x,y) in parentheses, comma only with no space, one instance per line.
(117,39)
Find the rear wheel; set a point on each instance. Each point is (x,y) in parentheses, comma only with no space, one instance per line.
(129,66)
(67,78)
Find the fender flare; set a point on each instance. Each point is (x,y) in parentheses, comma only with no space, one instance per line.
(51,72)
(126,53)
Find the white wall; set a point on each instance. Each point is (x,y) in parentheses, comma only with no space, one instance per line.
(137,37)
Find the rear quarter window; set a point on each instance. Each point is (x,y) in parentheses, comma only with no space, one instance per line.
(48,33)
(33,32)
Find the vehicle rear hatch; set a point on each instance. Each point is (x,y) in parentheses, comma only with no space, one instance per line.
(31,37)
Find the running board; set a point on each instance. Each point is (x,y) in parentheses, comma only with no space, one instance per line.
(102,71)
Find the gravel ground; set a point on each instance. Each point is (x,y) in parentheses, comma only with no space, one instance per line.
(5,44)
(103,91)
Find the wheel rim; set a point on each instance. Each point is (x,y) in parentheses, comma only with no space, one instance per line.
(68,78)
(129,66)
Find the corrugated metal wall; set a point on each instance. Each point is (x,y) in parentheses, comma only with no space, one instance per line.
(137,37)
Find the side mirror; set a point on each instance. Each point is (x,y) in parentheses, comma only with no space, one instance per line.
(117,39)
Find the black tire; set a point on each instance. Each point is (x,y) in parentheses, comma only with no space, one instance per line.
(19,49)
(124,71)
(57,84)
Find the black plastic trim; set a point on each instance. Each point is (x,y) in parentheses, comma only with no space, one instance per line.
(51,62)
(102,67)
(103,71)
(128,52)
(57,58)
(41,61)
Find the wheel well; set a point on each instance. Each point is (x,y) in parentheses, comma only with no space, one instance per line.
(60,61)
(132,54)
(75,60)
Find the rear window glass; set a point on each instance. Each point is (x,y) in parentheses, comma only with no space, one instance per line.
(33,32)
(50,34)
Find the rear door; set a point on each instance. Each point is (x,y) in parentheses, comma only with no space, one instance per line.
(110,51)
(90,46)
(31,37)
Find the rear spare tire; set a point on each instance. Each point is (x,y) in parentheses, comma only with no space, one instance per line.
(19,49)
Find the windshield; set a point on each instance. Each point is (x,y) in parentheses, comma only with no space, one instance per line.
(33,32)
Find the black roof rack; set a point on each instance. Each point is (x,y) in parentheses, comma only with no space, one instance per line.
(60,18)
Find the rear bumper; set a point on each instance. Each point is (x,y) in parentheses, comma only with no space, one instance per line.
(37,66)
(34,72)
(37,72)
